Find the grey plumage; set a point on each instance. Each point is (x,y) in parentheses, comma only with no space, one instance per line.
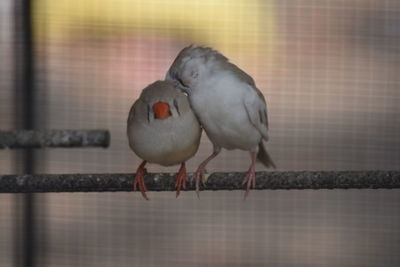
(231,109)
(162,129)
(264,157)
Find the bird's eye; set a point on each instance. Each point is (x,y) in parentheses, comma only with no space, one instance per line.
(176,77)
(194,74)
(180,81)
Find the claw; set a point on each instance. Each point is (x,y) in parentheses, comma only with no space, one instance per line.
(138,181)
(250,179)
(180,179)
(199,174)
(250,182)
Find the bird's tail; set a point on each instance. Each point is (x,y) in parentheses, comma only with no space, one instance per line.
(264,157)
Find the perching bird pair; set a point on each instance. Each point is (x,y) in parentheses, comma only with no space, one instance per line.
(164,123)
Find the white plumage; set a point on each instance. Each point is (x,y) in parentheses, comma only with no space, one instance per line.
(231,109)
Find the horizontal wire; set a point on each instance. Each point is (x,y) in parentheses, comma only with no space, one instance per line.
(217,181)
(54,138)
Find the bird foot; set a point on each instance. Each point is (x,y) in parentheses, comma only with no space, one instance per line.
(138,181)
(250,181)
(199,176)
(180,179)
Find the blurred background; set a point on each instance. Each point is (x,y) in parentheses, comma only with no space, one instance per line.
(330,71)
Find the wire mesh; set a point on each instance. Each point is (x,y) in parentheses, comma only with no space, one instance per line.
(329,71)
(7,115)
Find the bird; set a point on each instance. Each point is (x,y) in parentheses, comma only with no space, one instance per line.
(229,106)
(162,129)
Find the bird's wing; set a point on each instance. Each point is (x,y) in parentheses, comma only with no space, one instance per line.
(131,117)
(256,109)
(254,101)
(240,74)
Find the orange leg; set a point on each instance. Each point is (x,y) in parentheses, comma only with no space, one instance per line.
(180,179)
(199,174)
(250,178)
(138,181)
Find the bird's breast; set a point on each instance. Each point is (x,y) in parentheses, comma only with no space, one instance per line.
(166,142)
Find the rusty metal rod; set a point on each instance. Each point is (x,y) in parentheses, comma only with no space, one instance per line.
(54,138)
(217,181)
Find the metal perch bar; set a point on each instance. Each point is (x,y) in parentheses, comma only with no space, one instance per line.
(217,181)
(54,138)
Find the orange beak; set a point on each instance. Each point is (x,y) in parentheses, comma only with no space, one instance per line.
(161,110)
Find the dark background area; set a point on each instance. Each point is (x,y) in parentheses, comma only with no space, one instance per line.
(328,69)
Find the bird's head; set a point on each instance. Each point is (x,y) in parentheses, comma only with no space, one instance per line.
(188,75)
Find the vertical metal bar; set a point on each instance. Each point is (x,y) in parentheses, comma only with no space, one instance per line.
(25,101)
(29,123)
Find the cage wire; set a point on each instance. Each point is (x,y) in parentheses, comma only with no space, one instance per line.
(329,71)
(7,115)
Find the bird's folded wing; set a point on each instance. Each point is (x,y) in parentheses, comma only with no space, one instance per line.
(256,109)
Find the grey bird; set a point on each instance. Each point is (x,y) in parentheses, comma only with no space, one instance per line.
(162,129)
(230,108)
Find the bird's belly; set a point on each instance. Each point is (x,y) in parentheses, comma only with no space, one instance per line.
(233,138)
(167,143)
(230,130)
